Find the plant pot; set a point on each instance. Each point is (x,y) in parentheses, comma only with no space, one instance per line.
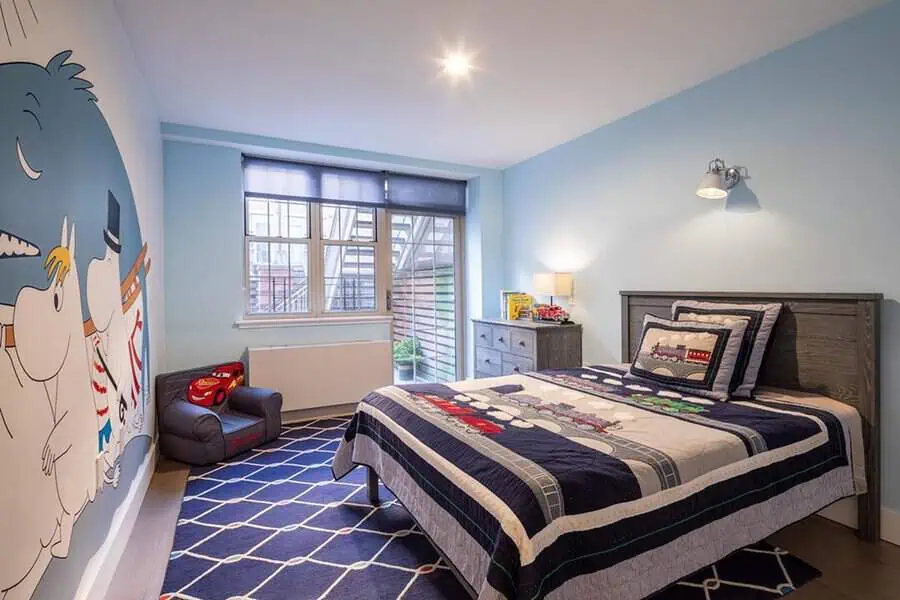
(405,371)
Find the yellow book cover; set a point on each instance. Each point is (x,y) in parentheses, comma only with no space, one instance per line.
(519,306)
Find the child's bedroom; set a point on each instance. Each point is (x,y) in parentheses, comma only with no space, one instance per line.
(448,300)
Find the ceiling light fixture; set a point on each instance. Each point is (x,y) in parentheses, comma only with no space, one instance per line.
(719,180)
(457,65)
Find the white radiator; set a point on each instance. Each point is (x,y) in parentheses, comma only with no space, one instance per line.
(321,376)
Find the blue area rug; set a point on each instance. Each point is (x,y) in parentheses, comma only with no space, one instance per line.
(272,524)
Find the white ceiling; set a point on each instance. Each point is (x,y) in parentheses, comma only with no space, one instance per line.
(362,73)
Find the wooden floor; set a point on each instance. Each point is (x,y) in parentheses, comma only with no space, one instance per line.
(139,575)
(851,569)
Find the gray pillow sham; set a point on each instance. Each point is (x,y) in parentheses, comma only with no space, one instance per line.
(760,319)
(693,357)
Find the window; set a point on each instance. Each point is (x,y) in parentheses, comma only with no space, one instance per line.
(277,256)
(318,240)
(281,242)
(426,296)
(350,247)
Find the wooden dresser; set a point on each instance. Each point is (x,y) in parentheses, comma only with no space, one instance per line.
(506,347)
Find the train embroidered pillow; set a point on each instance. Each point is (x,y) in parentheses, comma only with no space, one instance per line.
(698,358)
(760,322)
(213,389)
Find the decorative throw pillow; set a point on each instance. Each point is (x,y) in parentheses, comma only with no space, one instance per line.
(692,357)
(760,320)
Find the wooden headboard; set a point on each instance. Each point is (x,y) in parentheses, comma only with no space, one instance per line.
(823,343)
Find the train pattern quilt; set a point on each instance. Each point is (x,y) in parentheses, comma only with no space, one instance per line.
(579,483)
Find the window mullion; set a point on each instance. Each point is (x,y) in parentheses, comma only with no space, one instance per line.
(316,262)
(350,243)
(459,293)
(383,263)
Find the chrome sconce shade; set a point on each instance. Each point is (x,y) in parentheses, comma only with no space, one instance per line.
(719,180)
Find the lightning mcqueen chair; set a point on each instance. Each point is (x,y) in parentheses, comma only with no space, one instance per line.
(200,436)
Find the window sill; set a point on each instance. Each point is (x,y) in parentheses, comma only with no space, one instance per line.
(268,323)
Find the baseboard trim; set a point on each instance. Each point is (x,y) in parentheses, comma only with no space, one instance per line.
(338,410)
(890,526)
(844,512)
(102,567)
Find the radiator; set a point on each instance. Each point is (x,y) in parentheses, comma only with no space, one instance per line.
(321,376)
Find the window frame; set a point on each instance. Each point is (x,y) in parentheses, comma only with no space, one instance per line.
(459,273)
(316,268)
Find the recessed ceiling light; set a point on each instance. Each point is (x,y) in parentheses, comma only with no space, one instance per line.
(457,64)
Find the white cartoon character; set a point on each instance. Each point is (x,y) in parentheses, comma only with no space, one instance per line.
(50,344)
(108,349)
(28,496)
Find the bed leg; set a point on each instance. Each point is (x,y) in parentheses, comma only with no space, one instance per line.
(373,486)
(869,521)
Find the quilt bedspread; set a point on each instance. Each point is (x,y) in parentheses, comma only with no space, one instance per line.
(578,483)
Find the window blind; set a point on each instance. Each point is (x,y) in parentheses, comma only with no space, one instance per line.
(285,180)
(318,183)
(426,193)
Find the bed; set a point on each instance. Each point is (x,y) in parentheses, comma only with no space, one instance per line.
(579,483)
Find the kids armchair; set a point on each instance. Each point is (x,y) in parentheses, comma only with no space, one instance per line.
(205,415)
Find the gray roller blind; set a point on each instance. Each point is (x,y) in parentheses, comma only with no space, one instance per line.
(270,178)
(317,183)
(426,193)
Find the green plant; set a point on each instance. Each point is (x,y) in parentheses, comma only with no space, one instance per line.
(407,351)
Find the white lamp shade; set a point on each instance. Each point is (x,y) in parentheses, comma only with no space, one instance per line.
(553,284)
(712,187)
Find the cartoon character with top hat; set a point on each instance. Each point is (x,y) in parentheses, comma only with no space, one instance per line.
(108,348)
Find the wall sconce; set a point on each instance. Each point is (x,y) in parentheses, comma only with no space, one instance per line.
(719,179)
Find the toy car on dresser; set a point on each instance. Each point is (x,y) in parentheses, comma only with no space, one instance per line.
(550,312)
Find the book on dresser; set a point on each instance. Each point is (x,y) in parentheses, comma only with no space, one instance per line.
(506,347)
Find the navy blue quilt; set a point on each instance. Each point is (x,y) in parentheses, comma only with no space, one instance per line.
(560,481)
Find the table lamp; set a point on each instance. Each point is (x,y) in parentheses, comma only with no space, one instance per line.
(553,284)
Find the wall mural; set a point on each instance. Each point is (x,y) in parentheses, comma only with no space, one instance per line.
(74,347)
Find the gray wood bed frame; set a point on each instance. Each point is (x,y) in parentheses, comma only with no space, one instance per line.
(823,343)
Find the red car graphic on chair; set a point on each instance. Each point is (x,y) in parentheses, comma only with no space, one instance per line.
(213,389)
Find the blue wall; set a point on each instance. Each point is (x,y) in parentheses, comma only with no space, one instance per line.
(204,227)
(81,146)
(818,126)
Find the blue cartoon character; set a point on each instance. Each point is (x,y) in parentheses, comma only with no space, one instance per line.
(73,343)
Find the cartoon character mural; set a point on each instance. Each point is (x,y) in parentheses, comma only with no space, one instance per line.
(108,347)
(73,314)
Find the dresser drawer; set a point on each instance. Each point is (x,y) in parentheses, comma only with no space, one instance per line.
(483,335)
(502,346)
(516,364)
(500,338)
(488,361)
(522,342)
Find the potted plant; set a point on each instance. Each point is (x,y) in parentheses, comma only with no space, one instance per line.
(407,354)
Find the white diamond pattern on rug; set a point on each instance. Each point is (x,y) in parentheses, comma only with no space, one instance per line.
(272,524)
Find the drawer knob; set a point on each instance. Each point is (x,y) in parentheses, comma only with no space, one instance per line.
(522,343)
(482,336)
(500,339)
(487,361)
(516,369)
